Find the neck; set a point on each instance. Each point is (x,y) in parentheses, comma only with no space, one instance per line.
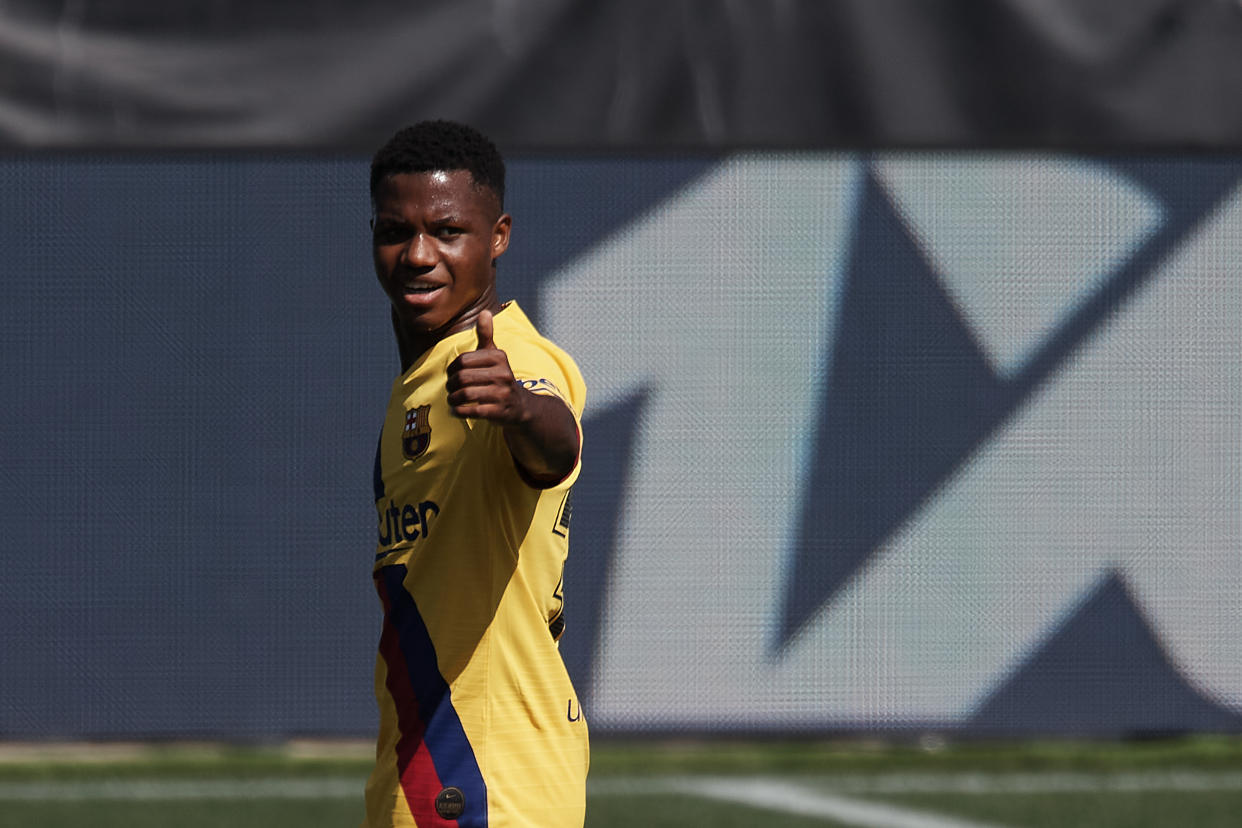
(412,344)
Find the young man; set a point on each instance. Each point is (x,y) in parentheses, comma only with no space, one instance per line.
(479,724)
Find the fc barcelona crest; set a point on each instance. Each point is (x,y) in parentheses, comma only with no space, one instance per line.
(416,435)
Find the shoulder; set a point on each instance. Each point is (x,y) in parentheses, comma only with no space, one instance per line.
(538,362)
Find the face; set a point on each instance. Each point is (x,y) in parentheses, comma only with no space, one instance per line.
(435,237)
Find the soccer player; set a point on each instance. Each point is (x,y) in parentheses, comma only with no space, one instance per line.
(479,723)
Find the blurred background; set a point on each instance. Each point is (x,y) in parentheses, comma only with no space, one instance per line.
(911,334)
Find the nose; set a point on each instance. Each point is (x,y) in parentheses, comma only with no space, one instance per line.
(420,252)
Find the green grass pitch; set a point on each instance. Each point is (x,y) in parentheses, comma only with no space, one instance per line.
(1175,782)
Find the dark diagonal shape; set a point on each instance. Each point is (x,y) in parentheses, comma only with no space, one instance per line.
(909,392)
(598,507)
(910,398)
(1103,672)
(562,208)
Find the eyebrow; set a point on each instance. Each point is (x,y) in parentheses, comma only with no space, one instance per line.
(391,216)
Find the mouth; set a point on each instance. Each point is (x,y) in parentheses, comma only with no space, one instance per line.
(418,291)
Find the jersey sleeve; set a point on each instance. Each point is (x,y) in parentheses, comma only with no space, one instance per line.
(543,368)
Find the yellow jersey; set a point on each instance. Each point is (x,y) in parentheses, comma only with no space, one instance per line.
(479,723)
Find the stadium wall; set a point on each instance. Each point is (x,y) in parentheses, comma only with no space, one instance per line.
(875,442)
(646,75)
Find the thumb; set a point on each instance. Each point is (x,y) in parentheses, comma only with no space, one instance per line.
(483,327)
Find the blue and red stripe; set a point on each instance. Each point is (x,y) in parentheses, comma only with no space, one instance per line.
(433,751)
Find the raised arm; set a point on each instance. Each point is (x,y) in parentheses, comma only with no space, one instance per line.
(540,430)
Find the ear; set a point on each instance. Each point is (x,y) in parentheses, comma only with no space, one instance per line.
(500,235)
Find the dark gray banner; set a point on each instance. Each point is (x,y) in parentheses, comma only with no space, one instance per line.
(566,75)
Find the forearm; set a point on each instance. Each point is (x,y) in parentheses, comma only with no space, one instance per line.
(540,430)
(545,441)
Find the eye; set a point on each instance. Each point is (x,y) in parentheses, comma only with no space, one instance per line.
(448,231)
(390,233)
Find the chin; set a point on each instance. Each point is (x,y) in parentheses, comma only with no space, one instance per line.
(421,318)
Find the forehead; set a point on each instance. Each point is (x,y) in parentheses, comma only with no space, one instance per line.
(435,190)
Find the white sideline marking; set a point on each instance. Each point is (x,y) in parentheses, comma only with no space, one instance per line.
(760,790)
(795,799)
(822,795)
(964,782)
(1033,782)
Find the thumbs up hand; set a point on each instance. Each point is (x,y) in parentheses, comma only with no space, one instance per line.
(540,430)
(481,383)
(483,328)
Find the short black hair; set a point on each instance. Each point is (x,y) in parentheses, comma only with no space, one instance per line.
(441,145)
